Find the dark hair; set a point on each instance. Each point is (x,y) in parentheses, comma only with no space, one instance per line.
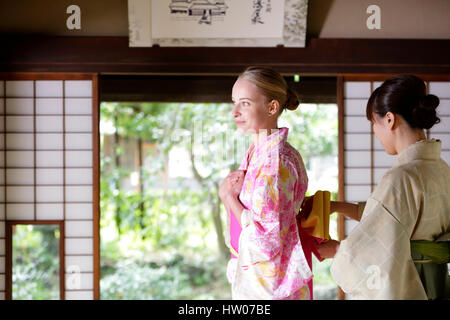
(405,95)
(272,85)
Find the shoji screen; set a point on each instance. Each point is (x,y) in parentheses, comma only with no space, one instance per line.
(363,160)
(49,166)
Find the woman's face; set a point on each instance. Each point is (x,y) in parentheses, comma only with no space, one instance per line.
(250,111)
(382,127)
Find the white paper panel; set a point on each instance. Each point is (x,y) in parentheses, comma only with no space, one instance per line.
(20,211)
(20,176)
(50,141)
(378,174)
(2,124)
(51,88)
(79,211)
(79,176)
(78,106)
(50,211)
(49,124)
(78,88)
(355,107)
(79,295)
(49,194)
(19,159)
(49,106)
(85,281)
(82,263)
(376,84)
(2,176)
(19,194)
(2,106)
(78,123)
(356,89)
(357,193)
(78,140)
(2,194)
(357,141)
(2,145)
(444,137)
(444,107)
(79,229)
(357,124)
(19,106)
(357,176)
(2,211)
(382,159)
(2,282)
(79,246)
(2,229)
(2,264)
(19,123)
(2,158)
(2,246)
(49,158)
(2,295)
(78,193)
(350,224)
(443,126)
(78,158)
(49,176)
(357,158)
(2,88)
(20,88)
(445,155)
(19,141)
(441,89)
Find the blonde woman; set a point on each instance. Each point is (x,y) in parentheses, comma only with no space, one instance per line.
(265,194)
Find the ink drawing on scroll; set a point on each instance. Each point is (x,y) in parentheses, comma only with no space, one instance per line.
(217,18)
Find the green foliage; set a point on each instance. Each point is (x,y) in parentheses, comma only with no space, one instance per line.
(35,262)
(161,242)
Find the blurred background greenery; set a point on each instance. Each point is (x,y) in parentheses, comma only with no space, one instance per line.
(162,222)
(35,262)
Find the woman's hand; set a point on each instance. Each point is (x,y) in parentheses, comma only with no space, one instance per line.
(328,248)
(232,184)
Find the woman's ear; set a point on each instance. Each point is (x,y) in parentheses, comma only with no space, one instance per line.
(274,105)
(390,120)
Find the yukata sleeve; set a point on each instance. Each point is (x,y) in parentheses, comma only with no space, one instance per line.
(374,261)
(260,243)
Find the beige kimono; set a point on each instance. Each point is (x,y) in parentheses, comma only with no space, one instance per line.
(411,202)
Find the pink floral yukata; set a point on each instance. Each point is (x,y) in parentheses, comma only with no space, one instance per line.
(268,261)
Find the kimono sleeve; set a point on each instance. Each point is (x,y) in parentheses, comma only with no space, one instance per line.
(271,205)
(374,261)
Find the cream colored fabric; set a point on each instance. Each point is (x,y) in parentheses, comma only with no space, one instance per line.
(411,202)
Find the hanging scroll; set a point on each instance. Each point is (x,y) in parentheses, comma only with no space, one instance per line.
(242,23)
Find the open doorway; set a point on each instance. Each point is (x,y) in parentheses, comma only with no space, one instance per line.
(162,223)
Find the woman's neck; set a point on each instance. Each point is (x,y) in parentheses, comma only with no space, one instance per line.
(261,134)
(409,137)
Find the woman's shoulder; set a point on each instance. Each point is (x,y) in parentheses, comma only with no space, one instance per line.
(290,158)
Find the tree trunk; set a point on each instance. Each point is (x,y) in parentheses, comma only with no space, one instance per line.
(215,204)
(117,215)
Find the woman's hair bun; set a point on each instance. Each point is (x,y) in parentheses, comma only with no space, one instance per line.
(292,100)
(424,114)
(429,101)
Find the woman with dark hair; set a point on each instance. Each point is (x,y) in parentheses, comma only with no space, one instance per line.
(410,207)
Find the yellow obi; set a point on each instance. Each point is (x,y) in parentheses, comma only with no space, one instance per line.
(318,222)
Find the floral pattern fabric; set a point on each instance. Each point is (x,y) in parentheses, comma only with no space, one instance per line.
(270,262)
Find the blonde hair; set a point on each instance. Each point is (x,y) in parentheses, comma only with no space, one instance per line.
(272,85)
